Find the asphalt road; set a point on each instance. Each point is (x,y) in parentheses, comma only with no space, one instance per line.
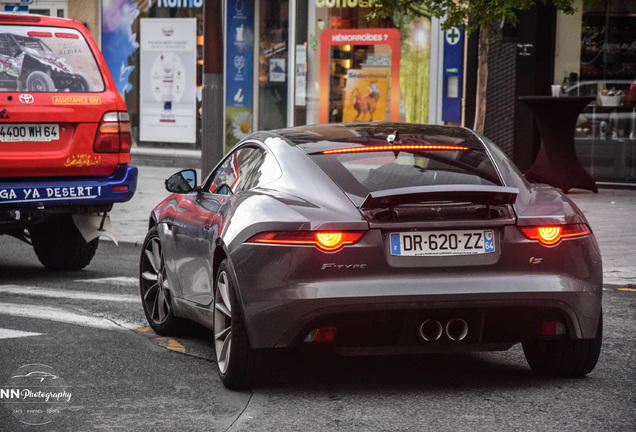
(87,330)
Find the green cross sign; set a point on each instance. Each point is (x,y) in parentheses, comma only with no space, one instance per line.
(453,36)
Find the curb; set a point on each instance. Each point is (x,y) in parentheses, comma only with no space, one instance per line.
(175,158)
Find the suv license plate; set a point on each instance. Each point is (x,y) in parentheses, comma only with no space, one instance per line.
(29,132)
(442,243)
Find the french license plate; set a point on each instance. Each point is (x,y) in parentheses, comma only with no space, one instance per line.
(443,243)
(29,132)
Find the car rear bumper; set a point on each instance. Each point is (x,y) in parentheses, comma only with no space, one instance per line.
(119,187)
(386,315)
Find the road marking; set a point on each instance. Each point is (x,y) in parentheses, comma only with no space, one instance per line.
(627,289)
(165,342)
(121,280)
(56,314)
(73,295)
(10,334)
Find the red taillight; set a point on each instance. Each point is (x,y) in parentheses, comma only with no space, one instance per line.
(552,234)
(325,240)
(322,335)
(113,133)
(552,328)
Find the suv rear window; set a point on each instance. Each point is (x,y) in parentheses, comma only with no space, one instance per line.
(361,172)
(47,59)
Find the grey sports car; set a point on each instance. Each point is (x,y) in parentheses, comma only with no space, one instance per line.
(372,238)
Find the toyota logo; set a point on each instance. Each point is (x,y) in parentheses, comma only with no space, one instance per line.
(26,99)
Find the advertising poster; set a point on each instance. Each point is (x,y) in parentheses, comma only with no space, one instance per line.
(376,84)
(366,95)
(239,70)
(167,107)
(119,43)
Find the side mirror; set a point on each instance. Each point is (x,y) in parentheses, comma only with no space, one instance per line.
(182,182)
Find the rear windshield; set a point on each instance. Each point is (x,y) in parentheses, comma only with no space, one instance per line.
(47,59)
(362,172)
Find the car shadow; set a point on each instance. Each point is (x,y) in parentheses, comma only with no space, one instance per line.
(426,371)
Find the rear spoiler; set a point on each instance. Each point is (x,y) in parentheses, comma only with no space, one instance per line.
(478,194)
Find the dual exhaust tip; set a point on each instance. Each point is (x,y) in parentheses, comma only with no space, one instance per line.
(431,330)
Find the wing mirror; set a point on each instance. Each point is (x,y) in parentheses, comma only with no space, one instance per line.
(184,181)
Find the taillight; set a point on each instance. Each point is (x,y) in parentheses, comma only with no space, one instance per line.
(325,240)
(113,133)
(552,234)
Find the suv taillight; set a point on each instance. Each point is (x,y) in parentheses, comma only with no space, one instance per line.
(113,133)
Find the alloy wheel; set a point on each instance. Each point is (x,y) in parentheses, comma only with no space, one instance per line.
(155,289)
(222,322)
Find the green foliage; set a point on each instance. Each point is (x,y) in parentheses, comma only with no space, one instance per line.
(471,14)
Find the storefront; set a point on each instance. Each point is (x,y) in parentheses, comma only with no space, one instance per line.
(602,65)
(326,61)
(154,51)
(286,62)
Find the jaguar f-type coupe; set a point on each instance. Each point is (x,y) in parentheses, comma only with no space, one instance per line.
(372,238)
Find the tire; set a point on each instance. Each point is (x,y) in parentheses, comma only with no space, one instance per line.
(154,287)
(59,245)
(83,84)
(566,358)
(38,81)
(239,366)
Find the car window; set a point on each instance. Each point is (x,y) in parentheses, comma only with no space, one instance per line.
(362,172)
(233,175)
(47,59)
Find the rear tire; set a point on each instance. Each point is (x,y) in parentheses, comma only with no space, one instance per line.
(59,245)
(565,358)
(83,84)
(38,81)
(239,366)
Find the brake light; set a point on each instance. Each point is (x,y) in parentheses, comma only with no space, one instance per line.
(113,133)
(66,35)
(552,234)
(39,34)
(325,240)
(394,148)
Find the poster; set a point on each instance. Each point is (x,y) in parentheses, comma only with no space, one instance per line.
(167,107)
(383,62)
(239,70)
(366,95)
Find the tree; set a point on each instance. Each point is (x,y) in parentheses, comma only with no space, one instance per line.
(487,16)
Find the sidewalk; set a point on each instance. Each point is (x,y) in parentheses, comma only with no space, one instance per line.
(611,213)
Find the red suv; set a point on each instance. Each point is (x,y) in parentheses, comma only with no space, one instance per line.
(64,140)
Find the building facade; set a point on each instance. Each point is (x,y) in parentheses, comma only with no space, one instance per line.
(289,62)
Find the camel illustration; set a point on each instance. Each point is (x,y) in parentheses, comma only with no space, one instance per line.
(366,105)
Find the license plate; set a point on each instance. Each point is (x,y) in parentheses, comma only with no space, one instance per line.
(29,132)
(443,243)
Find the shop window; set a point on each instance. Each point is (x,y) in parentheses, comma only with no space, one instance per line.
(606,130)
(273,58)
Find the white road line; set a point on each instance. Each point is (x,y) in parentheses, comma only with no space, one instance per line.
(9,334)
(56,314)
(121,280)
(73,295)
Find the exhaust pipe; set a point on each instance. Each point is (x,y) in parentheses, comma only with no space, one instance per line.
(457,329)
(431,330)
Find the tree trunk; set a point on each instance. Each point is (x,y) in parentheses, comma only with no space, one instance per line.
(482,78)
